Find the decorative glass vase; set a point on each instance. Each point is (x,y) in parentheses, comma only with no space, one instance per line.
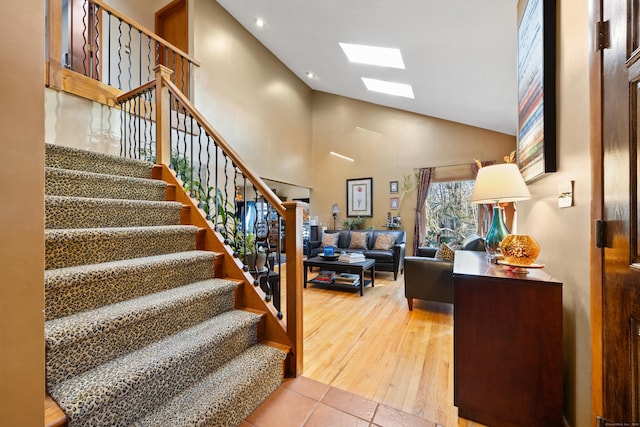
(520,249)
(496,233)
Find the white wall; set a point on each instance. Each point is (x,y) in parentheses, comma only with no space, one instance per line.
(77,122)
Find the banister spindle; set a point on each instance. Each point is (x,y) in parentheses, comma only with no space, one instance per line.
(109,47)
(129,68)
(226,198)
(120,47)
(139,57)
(95,56)
(208,172)
(85,35)
(148,58)
(192,191)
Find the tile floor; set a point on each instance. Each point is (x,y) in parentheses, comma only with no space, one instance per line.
(303,402)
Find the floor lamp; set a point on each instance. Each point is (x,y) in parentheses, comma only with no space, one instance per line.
(335,210)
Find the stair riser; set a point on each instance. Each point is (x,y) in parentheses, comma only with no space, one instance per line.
(66,248)
(70,291)
(102,186)
(127,334)
(75,213)
(159,382)
(226,397)
(58,156)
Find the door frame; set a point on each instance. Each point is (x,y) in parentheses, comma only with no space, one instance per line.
(597,209)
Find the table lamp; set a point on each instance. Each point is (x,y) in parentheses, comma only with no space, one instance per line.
(498,184)
(335,210)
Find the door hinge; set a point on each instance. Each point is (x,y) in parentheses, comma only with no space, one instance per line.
(601,233)
(602,32)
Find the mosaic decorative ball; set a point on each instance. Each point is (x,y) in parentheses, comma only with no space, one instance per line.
(520,249)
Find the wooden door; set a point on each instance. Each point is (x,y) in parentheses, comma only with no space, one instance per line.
(172,24)
(621,263)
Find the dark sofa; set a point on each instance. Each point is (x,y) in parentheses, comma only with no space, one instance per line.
(431,279)
(391,260)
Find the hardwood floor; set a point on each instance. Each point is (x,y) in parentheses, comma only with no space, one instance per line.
(373,346)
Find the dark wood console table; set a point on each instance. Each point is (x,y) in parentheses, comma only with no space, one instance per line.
(507,344)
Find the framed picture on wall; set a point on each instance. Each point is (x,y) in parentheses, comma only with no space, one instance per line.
(536,147)
(393,187)
(360,197)
(394,203)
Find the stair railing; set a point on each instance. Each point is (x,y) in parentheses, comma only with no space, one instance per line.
(160,124)
(105,45)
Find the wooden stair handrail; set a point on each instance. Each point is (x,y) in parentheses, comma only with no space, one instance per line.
(144,30)
(134,92)
(254,178)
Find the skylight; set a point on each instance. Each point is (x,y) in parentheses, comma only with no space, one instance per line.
(390,88)
(372,55)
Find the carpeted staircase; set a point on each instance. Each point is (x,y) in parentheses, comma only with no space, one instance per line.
(138,329)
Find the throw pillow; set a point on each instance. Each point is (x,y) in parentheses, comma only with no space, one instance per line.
(330,239)
(446,251)
(384,242)
(359,240)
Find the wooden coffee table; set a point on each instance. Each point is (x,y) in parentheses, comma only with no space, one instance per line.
(342,267)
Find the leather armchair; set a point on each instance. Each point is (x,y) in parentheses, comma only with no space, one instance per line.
(428,279)
(431,279)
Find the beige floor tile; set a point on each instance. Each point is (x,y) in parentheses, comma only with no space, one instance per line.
(307,387)
(389,417)
(324,416)
(284,408)
(350,403)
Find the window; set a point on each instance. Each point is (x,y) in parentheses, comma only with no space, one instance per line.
(449,216)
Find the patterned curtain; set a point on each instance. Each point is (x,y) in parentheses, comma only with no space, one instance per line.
(424,181)
(485,212)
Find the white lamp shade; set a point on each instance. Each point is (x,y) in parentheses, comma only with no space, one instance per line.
(335,209)
(499,183)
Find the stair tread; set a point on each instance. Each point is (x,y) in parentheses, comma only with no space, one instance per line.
(115,379)
(66,247)
(99,201)
(227,385)
(66,182)
(118,178)
(76,270)
(70,158)
(87,286)
(81,341)
(86,324)
(85,212)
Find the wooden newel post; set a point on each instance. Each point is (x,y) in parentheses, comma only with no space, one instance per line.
(163,116)
(293,246)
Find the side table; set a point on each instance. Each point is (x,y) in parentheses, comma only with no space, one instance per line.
(507,344)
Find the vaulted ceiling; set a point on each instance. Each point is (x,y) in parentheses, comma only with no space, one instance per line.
(460,55)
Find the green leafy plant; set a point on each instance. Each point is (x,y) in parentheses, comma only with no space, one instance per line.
(353,223)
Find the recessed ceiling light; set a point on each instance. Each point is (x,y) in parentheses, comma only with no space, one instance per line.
(372,55)
(390,88)
(311,75)
(341,156)
(260,22)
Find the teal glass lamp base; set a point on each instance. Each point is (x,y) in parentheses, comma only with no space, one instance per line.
(497,232)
